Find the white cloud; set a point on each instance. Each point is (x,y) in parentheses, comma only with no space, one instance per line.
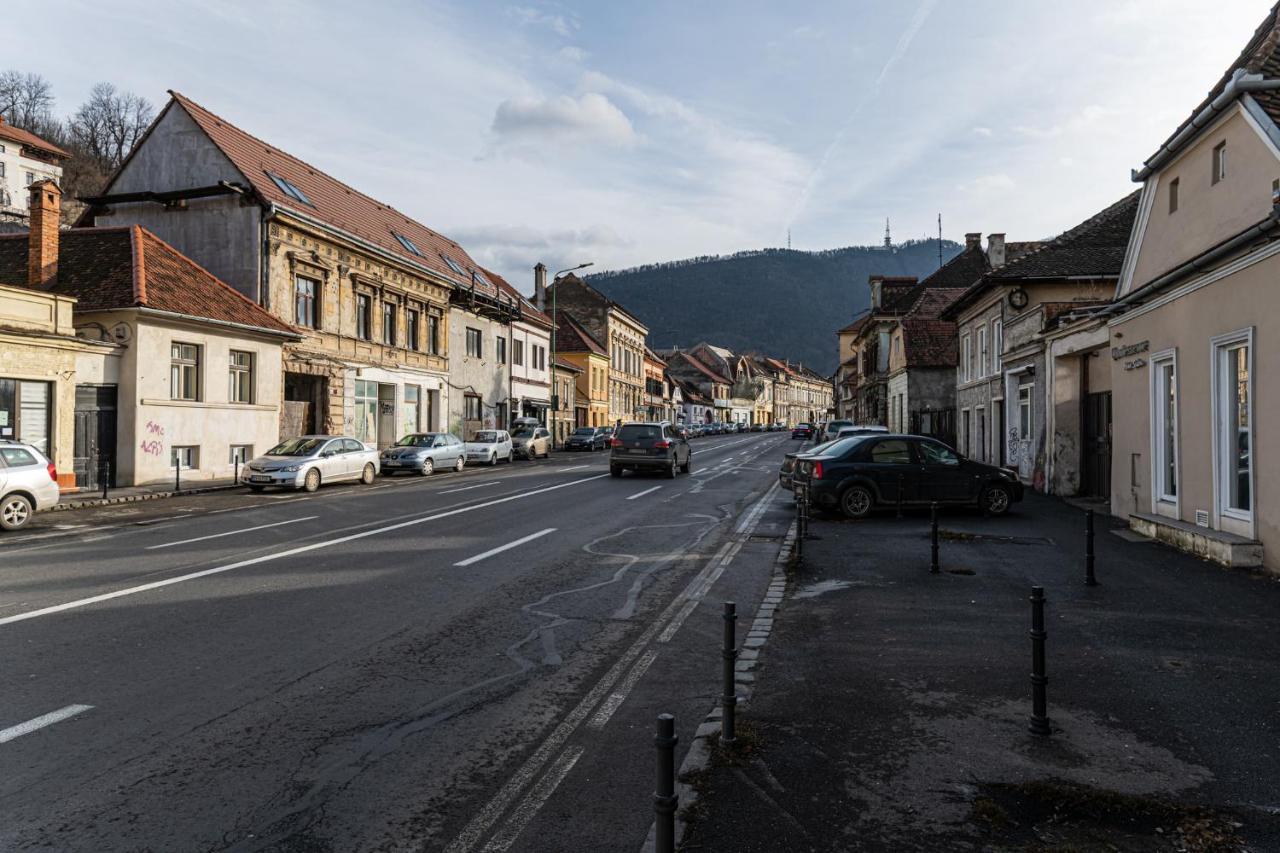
(562,25)
(570,53)
(989,184)
(591,117)
(984,132)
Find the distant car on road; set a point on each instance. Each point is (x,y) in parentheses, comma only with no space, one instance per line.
(587,438)
(658,447)
(490,446)
(531,442)
(856,475)
(28,482)
(804,431)
(308,461)
(425,453)
(831,429)
(845,432)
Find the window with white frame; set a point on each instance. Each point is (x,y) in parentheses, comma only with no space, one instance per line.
(241,377)
(1233,418)
(185,457)
(184,371)
(1164,427)
(966,359)
(1026,418)
(241,453)
(997,345)
(475,345)
(982,351)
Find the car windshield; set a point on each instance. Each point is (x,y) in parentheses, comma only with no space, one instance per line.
(522,433)
(639,432)
(486,436)
(839,447)
(296,447)
(422,440)
(802,426)
(584,431)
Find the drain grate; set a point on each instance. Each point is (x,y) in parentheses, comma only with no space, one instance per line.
(763,537)
(961,536)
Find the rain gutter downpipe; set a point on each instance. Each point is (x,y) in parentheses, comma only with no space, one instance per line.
(1241,83)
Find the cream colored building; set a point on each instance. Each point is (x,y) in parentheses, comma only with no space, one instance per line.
(1196,322)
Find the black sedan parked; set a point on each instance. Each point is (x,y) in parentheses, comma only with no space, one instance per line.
(856,475)
(587,438)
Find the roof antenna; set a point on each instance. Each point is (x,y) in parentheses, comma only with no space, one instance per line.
(939,241)
(788,239)
(888,241)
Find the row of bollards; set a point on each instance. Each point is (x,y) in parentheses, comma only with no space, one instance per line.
(1090,576)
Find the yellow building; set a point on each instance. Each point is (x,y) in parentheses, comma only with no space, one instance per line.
(578,347)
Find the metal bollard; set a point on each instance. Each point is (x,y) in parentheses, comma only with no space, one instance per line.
(899,496)
(934,568)
(177,473)
(1039,711)
(728,729)
(665,799)
(105,473)
(1089,578)
(237,480)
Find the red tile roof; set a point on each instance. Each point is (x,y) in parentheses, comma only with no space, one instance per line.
(29,140)
(332,201)
(702,367)
(572,337)
(129,267)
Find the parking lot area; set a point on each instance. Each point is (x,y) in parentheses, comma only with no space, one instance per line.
(891,706)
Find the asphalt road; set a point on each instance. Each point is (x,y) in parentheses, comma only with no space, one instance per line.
(464,662)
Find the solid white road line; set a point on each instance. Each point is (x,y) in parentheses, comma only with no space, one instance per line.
(516,544)
(292,552)
(615,700)
(533,803)
(645,492)
(38,723)
(575,467)
(231,533)
(469,488)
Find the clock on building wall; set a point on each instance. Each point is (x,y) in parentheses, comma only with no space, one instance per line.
(1018,298)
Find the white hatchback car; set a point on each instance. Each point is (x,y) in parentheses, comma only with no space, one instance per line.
(490,446)
(28,482)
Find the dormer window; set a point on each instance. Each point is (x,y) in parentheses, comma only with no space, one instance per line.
(408,244)
(1173,196)
(1219,162)
(453,265)
(290,189)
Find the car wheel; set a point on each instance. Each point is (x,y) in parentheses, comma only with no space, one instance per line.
(368,474)
(615,471)
(493,459)
(857,501)
(688,464)
(511,456)
(428,467)
(312,481)
(460,464)
(671,469)
(995,500)
(15,512)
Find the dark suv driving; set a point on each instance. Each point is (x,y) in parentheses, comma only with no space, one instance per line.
(657,447)
(857,474)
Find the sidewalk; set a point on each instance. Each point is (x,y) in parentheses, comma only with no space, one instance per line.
(132,494)
(891,706)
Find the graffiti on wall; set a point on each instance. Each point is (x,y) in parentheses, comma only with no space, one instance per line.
(153,439)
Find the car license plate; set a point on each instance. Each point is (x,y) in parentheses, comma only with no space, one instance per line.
(390,463)
(259,479)
(640,450)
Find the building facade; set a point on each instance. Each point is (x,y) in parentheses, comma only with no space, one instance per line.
(579,347)
(25,159)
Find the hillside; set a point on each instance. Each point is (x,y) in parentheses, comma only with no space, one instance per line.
(784,302)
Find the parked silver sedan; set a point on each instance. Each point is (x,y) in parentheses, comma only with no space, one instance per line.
(307,461)
(425,453)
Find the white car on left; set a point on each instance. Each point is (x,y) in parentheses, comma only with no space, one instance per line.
(489,446)
(308,461)
(28,482)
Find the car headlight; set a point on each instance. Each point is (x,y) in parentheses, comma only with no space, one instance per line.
(292,469)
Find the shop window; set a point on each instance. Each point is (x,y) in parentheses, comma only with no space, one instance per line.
(1164,406)
(366,412)
(1233,410)
(25,412)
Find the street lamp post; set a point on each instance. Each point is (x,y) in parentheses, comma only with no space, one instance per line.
(555,397)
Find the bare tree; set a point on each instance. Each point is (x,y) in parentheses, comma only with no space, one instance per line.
(26,100)
(108,124)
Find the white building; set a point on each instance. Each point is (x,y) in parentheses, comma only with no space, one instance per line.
(530,357)
(24,159)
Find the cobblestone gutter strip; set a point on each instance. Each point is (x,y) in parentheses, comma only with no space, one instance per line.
(699,756)
(86,503)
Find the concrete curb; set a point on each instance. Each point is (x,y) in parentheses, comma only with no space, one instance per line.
(87,503)
(699,756)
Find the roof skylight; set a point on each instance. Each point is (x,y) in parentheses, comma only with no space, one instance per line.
(290,189)
(408,244)
(453,265)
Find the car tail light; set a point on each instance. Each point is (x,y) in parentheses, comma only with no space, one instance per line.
(615,442)
(53,471)
(817,470)
(661,445)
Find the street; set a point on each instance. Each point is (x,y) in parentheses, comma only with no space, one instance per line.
(463,662)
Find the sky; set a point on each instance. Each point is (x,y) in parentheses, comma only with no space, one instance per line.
(631,133)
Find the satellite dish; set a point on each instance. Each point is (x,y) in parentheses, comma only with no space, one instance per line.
(121,333)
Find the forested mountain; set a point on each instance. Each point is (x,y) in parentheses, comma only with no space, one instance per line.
(779,301)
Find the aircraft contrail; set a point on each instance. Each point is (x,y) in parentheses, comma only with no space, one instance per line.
(922,13)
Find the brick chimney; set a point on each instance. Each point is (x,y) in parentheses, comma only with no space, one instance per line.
(540,287)
(973,240)
(42,239)
(995,250)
